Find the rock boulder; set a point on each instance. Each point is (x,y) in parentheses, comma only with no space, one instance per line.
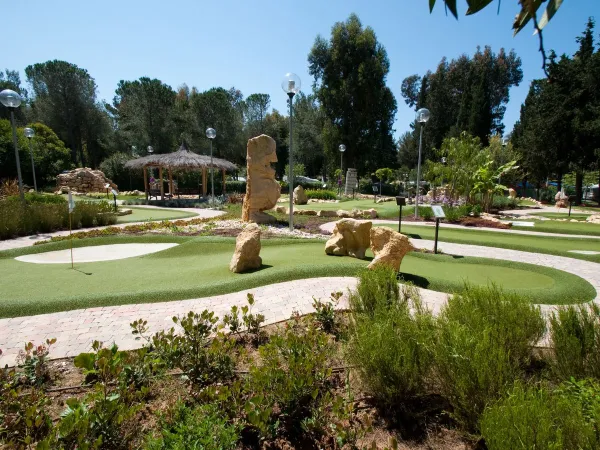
(389,247)
(247,250)
(350,238)
(83,180)
(300,197)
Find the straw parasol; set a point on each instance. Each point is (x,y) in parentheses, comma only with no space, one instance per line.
(182,159)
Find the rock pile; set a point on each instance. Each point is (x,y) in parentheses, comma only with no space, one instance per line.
(83,180)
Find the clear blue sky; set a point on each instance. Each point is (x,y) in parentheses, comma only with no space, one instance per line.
(251,44)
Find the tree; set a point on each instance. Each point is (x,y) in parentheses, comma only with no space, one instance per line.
(256,109)
(349,73)
(277,127)
(50,155)
(308,133)
(64,96)
(466,94)
(143,110)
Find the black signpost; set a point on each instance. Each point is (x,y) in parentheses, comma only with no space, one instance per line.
(572,198)
(115,193)
(438,212)
(400,201)
(374,193)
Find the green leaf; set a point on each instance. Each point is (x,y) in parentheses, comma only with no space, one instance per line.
(451,5)
(476,6)
(528,8)
(84,361)
(551,9)
(431,5)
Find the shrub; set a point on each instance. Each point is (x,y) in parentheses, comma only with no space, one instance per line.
(321,194)
(425,212)
(325,312)
(290,379)
(203,427)
(575,336)
(377,288)
(453,213)
(535,417)
(34,360)
(501,202)
(390,345)
(483,342)
(202,352)
(235,186)
(249,323)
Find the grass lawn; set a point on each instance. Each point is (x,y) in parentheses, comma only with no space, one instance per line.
(199,267)
(553,226)
(525,202)
(537,244)
(386,210)
(150,214)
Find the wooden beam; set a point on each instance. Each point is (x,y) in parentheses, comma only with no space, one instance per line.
(171,183)
(162,185)
(223,170)
(204,181)
(146,182)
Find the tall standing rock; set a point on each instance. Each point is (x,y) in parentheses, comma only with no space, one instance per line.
(262,190)
(247,250)
(300,197)
(350,238)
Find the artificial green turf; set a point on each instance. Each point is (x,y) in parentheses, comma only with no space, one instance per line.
(385,210)
(151,214)
(525,202)
(198,267)
(551,245)
(555,226)
(559,215)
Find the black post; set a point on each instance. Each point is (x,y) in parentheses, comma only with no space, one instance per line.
(437,227)
(115,197)
(400,220)
(569,209)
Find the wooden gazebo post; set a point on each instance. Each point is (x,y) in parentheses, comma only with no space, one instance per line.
(171,183)
(162,186)
(146,181)
(223,170)
(204,182)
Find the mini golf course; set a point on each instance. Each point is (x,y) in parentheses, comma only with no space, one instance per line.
(198,267)
(553,226)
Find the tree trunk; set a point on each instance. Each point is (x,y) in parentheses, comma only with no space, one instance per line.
(559,180)
(537,191)
(578,187)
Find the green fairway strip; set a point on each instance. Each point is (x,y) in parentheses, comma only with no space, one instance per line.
(198,267)
(153,214)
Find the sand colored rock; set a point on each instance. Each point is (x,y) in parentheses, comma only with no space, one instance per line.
(389,247)
(281,209)
(512,193)
(370,213)
(305,212)
(343,213)
(83,180)
(594,218)
(247,250)
(262,190)
(350,238)
(326,213)
(300,197)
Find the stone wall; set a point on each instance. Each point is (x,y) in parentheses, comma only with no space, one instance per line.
(83,180)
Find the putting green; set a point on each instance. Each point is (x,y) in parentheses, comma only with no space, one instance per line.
(559,215)
(152,214)
(198,267)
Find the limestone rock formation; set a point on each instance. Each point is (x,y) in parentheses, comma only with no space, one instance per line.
(512,193)
(326,213)
(247,250)
(562,200)
(300,197)
(262,190)
(83,180)
(389,247)
(594,218)
(350,238)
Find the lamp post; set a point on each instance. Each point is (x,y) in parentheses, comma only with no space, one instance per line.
(291,86)
(211,134)
(12,100)
(422,117)
(442,185)
(29,133)
(342,148)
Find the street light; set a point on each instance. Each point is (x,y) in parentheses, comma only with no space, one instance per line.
(505,141)
(29,133)
(291,86)
(422,117)
(150,149)
(342,148)
(211,134)
(12,100)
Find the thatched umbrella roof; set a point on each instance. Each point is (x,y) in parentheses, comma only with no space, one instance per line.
(182,159)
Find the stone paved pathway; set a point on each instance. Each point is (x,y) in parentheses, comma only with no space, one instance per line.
(26,241)
(75,330)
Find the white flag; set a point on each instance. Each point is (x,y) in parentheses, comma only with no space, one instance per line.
(71,203)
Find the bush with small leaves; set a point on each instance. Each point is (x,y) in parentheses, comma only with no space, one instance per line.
(199,349)
(249,325)
(536,417)
(34,361)
(483,341)
(289,379)
(575,336)
(325,312)
(377,288)
(203,427)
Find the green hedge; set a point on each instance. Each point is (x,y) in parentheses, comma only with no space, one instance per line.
(44,216)
(322,194)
